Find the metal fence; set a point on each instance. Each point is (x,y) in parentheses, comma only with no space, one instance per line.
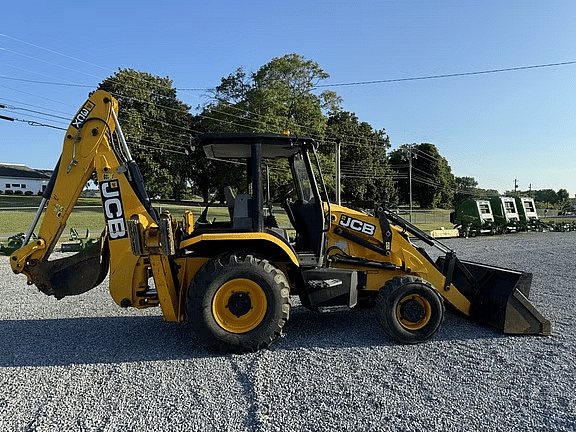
(435,217)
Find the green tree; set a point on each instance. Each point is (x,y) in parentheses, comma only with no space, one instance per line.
(366,175)
(433,183)
(157,128)
(546,196)
(466,188)
(465,183)
(279,96)
(563,195)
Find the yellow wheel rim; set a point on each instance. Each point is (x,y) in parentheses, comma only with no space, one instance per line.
(414,312)
(239,305)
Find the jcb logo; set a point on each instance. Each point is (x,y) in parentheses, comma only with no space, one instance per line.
(113,211)
(82,115)
(357,225)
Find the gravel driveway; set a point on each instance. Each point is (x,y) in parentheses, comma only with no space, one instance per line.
(84,364)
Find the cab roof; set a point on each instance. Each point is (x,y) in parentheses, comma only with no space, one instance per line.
(239,145)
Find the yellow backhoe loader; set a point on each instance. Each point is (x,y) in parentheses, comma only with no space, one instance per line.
(231,280)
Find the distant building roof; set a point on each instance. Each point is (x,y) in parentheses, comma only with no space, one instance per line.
(22,171)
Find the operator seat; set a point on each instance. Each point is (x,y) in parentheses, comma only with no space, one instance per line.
(230,198)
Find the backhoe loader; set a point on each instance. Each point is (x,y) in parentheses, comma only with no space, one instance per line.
(232,280)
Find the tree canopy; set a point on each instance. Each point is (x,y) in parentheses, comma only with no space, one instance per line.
(156,125)
(366,175)
(281,95)
(433,183)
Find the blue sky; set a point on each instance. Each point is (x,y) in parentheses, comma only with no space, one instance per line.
(495,127)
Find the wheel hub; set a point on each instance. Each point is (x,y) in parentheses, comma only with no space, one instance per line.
(239,304)
(414,312)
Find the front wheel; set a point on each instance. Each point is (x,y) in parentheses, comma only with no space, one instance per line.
(409,309)
(238,303)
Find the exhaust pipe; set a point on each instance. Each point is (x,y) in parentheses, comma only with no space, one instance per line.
(498,296)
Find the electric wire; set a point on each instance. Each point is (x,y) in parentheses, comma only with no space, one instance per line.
(261,117)
(450,75)
(315,86)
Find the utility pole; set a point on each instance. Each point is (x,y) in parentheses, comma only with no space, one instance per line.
(408,151)
(338,171)
(410,178)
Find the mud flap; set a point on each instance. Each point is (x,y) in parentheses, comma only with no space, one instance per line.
(498,296)
(72,275)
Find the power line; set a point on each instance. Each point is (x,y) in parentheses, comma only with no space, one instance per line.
(68,114)
(450,75)
(45,61)
(46,82)
(260,119)
(245,111)
(13,108)
(53,52)
(31,122)
(354,83)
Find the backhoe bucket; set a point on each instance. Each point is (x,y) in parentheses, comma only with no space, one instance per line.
(73,275)
(498,296)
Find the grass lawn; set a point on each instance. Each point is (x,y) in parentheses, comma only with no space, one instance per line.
(17,212)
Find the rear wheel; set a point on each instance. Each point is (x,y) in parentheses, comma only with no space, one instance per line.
(238,303)
(409,309)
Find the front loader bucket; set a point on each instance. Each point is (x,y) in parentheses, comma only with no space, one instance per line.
(72,275)
(498,296)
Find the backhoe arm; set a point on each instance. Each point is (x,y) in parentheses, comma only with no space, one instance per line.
(89,146)
(85,138)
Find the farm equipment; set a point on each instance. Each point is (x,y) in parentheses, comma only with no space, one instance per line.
(505,212)
(14,243)
(473,218)
(77,243)
(528,217)
(498,215)
(231,280)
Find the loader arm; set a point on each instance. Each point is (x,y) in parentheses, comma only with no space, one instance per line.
(93,144)
(489,295)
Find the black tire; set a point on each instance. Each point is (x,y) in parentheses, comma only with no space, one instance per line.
(409,309)
(238,303)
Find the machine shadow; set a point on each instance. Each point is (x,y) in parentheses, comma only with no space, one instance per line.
(61,342)
(359,328)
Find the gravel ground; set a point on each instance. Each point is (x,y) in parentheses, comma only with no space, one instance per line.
(84,364)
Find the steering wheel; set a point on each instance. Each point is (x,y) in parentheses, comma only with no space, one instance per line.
(286,201)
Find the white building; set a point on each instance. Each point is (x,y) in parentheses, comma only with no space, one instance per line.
(19,179)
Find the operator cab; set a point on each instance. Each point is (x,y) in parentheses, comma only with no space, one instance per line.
(302,204)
